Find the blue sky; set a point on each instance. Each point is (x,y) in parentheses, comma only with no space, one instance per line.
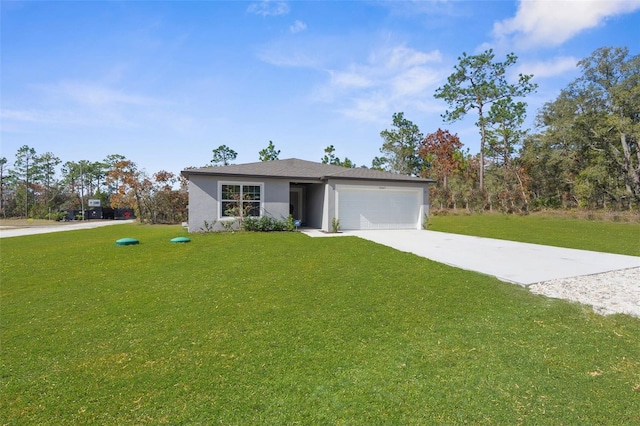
(164,83)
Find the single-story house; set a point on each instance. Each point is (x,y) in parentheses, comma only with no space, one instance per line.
(312,193)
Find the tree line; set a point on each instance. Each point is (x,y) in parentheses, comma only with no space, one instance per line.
(583,152)
(42,186)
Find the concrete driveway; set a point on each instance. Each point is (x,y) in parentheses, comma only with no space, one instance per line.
(520,263)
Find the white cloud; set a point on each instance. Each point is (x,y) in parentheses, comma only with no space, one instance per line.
(554,67)
(398,77)
(297,27)
(414,81)
(19,115)
(55,117)
(294,57)
(269,8)
(96,96)
(82,104)
(369,109)
(349,79)
(390,76)
(551,23)
(404,57)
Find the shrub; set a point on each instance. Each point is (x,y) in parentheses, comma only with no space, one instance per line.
(267,224)
(335,225)
(290,224)
(229,225)
(57,216)
(209,226)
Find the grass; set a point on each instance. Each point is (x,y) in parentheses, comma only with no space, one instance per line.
(600,235)
(283,329)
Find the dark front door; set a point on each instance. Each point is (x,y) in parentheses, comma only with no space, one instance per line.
(295,204)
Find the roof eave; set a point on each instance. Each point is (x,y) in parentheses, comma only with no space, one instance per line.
(429,181)
(186,174)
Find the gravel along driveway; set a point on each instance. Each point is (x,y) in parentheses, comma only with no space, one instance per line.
(615,292)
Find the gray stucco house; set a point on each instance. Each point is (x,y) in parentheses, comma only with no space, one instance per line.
(313,193)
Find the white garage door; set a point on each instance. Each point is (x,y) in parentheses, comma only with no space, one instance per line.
(378,208)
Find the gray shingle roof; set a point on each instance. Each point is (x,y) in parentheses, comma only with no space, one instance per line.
(294,168)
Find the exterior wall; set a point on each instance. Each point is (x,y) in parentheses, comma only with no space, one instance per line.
(320,199)
(315,207)
(204,200)
(276,198)
(329,206)
(203,205)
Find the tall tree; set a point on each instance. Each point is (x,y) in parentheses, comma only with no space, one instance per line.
(47,164)
(223,155)
(400,147)
(476,83)
(77,177)
(610,90)
(505,133)
(160,202)
(509,181)
(379,163)
(442,152)
(330,158)
(24,170)
(110,163)
(269,153)
(329,155)
(3,178)
(554,157)
(172,203)
(125,174)
(96,173)
(587,153)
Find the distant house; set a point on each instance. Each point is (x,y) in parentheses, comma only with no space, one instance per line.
(312,193)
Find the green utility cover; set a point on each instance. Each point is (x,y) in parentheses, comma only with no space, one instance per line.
(126,242)
(180,240)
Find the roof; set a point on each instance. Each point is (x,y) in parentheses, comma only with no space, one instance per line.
(294,168)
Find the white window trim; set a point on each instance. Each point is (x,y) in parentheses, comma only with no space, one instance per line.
(240,183)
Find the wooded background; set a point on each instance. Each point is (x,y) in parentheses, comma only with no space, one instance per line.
(582,153)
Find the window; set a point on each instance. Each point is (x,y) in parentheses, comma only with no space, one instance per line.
(240,200)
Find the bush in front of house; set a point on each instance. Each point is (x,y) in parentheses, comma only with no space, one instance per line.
(267,224)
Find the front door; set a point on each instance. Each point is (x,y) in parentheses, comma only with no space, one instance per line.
(295,203)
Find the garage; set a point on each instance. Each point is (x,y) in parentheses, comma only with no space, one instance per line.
(378,207)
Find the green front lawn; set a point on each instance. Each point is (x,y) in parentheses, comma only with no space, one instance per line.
(283,329)
(600,235)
